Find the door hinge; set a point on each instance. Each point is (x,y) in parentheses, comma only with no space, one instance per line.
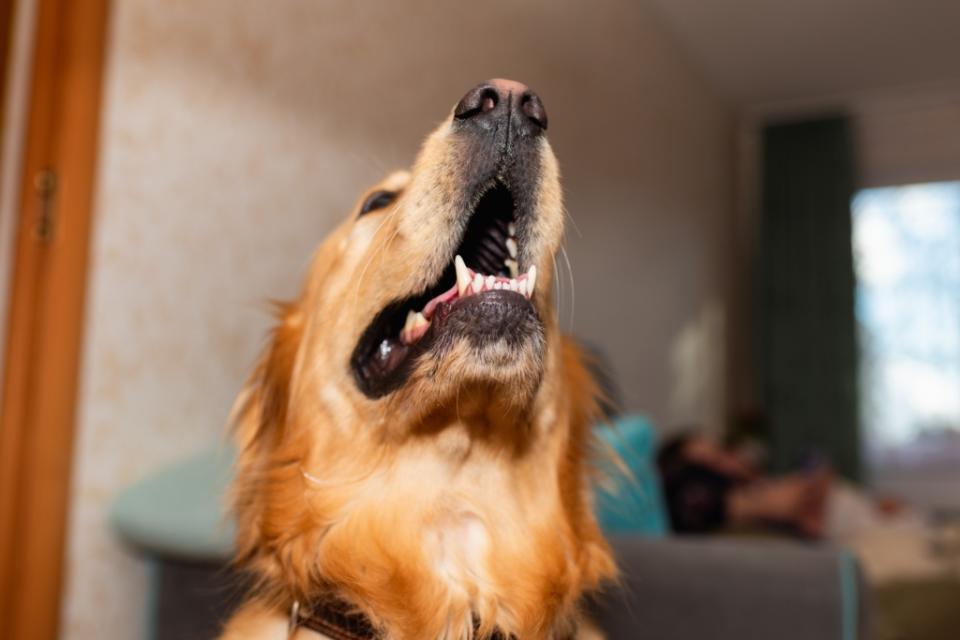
(45,186)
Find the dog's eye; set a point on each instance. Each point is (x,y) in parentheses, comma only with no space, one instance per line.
(377,200)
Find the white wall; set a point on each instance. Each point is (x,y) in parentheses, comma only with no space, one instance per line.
(903,133)
(909,136)
(237,132)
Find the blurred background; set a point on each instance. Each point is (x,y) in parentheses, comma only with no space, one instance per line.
(765,243)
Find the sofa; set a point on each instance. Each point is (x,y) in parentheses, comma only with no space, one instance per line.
(672,588)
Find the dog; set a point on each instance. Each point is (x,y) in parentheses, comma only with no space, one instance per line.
(415,439)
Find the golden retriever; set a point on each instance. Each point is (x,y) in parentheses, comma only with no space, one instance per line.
(414,439)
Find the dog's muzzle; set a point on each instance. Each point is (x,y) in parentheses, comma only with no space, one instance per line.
(486,292)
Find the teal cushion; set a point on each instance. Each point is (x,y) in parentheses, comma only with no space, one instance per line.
(179,510)
(631,502)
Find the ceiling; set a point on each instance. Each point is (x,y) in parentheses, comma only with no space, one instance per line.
(760,52)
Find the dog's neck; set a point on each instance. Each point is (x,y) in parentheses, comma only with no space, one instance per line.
(445,529)
(458,527)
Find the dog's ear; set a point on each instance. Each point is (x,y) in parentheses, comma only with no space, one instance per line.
(259,421)
(261,409)
(584,397)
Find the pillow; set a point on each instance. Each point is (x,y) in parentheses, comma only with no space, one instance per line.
(631,503)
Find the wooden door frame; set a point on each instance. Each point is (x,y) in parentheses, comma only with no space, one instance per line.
(6,37)
(45,314)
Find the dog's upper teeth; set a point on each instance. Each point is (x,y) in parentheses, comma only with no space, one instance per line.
(463,275)
(512,229)
(512,247)
(513,267)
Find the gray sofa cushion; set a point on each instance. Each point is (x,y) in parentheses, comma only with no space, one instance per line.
(672,589)
(697,589)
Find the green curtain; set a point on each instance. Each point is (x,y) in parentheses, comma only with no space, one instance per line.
(806,294)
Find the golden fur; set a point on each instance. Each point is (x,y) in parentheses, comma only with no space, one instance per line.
(462,494)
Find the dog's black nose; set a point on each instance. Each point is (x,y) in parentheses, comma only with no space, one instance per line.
(496,101)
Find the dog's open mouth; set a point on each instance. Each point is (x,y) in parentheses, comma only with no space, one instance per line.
(483,294)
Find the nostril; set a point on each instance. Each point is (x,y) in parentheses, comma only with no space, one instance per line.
(490,99)
(478,100)
(532,107)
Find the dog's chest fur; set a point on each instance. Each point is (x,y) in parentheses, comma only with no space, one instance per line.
(464,527)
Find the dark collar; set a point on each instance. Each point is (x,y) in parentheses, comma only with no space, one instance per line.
(338,621)
(332,618)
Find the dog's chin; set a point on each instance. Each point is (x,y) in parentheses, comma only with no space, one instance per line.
(492,338)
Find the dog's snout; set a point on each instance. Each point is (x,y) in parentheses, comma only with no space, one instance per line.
(502,101)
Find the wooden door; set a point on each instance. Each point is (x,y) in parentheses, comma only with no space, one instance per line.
(45,312)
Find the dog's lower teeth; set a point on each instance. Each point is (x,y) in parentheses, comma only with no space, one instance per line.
(414,328)
(469,283)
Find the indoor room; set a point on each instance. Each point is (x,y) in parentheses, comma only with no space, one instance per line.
(330,319)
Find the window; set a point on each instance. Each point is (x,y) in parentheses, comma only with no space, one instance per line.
(907,259)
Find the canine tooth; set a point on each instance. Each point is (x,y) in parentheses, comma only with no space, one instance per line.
(531,279)
(488,284)
(411,318)
(414,328)
(463,275)
(512,229)
(513,266)
(512,247)
(477,284)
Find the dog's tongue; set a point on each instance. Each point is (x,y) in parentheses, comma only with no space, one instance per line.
(485,283)
(446,296)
